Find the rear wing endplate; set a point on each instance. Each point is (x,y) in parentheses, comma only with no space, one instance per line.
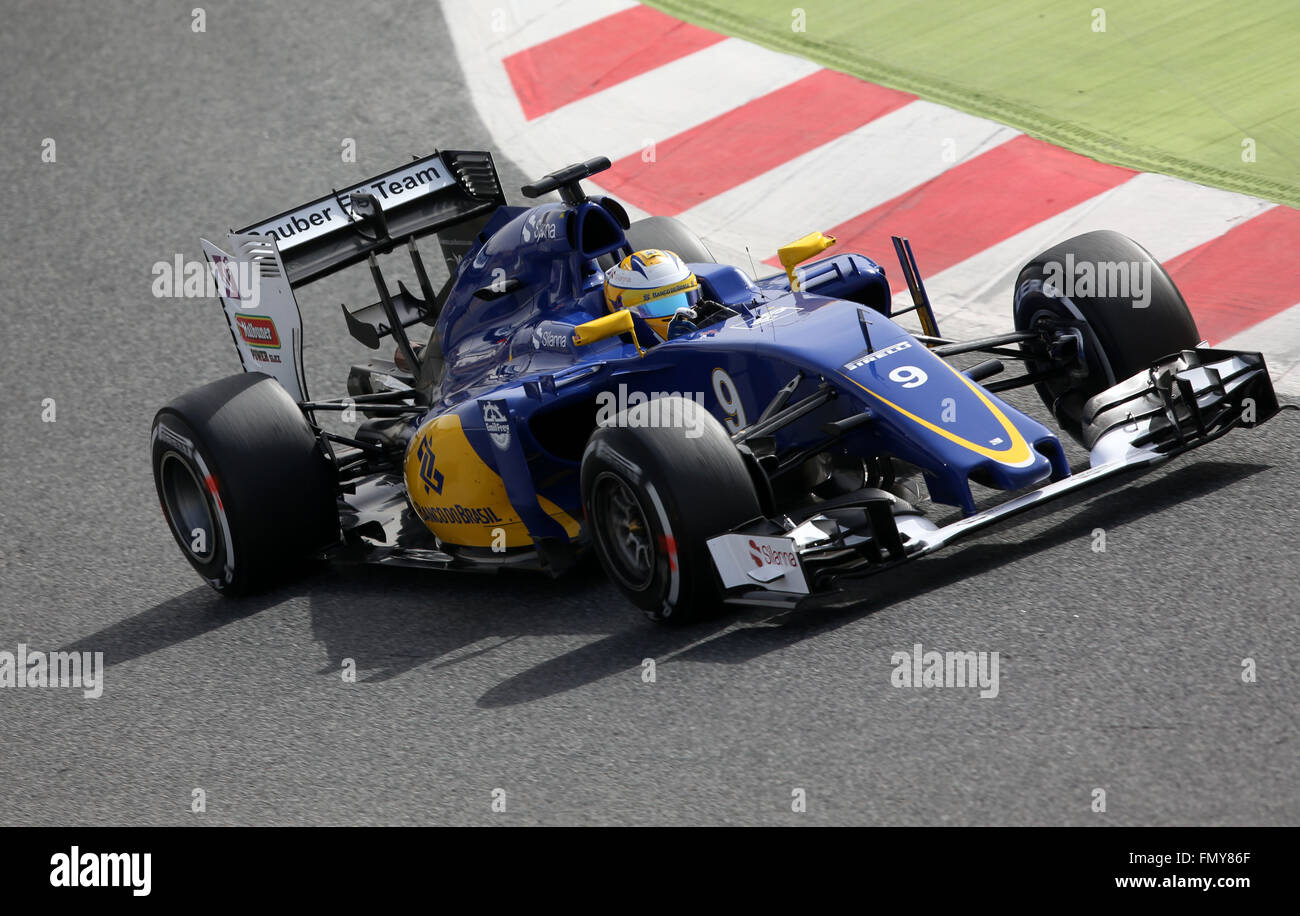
(260,309)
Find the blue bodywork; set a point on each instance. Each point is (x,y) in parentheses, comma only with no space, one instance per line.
(505,333)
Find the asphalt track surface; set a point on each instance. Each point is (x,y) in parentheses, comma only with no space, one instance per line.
(1119,670)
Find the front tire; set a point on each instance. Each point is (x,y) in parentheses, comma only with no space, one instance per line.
(1119,338)
(653,495)
(247,492)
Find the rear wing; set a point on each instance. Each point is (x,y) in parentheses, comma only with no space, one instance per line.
(451,193)
(428,195)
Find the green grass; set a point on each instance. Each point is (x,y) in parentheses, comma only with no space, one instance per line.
(1171,86)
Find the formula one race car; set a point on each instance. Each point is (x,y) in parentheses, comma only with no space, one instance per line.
(742,440)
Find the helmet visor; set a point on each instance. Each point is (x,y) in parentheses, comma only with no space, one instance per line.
(668,305)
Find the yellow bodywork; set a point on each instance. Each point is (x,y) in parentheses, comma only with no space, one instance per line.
(459,496)
(800,250)
(615,323)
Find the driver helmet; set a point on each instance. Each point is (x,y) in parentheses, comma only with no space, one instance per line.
(654,284)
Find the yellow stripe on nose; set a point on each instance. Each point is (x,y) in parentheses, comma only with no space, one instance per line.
(1017,454)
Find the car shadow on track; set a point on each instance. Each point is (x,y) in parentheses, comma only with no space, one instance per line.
(177,620)
(391,621)
(944,569)
(723,642)
(417,619)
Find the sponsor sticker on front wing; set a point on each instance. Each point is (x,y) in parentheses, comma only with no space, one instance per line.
(771,563)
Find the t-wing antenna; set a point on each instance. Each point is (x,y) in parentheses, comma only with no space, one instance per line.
(567,181)
(920,299)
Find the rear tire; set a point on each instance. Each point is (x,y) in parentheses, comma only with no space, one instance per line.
(245,488)
(653,496)
(1119,338)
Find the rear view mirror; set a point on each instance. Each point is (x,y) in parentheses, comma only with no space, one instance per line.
(801,250)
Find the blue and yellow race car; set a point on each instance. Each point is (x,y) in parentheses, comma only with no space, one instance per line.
(581,381)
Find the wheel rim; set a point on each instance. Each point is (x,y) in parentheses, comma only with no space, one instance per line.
(186,503)
(1052,389)
(1097,362)
(624,534)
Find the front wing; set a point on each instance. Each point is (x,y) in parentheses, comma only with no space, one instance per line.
(1180,403)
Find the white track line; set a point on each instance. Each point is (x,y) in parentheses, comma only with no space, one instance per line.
(617,121)
(844,178)
(1165,215)
(505,28)
(625,118)
(1278,338)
